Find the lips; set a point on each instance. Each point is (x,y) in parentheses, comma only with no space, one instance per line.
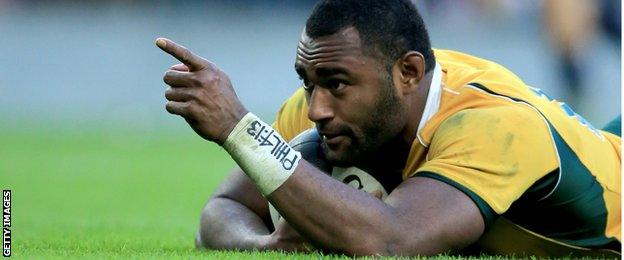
(328,135)
(333,140)
(333,135)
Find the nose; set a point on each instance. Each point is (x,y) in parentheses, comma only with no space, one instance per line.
(320,105)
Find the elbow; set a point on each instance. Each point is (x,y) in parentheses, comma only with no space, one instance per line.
(202,239)
(201,242)
(198,241)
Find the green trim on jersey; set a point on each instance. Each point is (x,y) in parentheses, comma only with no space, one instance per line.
(578,200)
(489,216)
(615,126)
(575,212)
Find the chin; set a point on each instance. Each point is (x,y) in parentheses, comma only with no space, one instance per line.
(340,163)
(338,158)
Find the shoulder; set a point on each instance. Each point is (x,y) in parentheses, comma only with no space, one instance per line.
(292,117)
(496,152)
(501,131)
(461,69)
(494,122)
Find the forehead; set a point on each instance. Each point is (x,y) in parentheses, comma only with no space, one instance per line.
(340,49)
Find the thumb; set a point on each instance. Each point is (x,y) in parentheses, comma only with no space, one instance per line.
(180,67)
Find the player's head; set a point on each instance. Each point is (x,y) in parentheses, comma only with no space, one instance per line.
(357,59)
(388,29)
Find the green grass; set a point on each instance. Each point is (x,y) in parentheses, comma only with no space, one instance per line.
(111,193)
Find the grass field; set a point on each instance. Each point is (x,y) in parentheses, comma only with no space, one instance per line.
(111,193)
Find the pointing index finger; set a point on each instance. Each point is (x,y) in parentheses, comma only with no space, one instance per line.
(181,53)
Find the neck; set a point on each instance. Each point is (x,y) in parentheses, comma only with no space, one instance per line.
(391,155)
(387,165)
(416,107)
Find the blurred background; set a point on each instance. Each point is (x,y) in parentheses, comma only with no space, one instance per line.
(82,120)
(72,63)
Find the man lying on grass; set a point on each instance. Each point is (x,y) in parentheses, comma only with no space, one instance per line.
(426,151)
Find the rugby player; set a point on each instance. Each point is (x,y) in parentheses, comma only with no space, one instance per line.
(470,158)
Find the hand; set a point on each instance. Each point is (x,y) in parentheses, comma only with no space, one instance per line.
(286,238)
(201,93)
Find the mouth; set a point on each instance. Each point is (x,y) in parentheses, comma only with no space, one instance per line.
(333,140)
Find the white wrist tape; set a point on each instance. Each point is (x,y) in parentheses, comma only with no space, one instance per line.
(262,153)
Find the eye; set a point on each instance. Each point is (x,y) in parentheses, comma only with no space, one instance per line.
(336,84)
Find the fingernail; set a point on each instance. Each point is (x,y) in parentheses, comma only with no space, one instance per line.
(161,43)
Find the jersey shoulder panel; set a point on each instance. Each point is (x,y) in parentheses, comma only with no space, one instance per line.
(292,118)
(495,152)
(460,69)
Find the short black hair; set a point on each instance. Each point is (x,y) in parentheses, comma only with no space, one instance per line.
(389,28)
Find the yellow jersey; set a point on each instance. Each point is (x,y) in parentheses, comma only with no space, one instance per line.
(534,167)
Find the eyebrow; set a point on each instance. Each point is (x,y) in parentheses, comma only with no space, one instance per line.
(321,72)
(330,71)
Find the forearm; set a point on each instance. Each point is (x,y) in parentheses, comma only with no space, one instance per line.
(348,217)
(332,215)
(227,224)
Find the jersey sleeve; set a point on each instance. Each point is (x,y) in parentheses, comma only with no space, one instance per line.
(292,118)
(493,155)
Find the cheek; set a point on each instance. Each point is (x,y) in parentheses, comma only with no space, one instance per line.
(358,114)
(360,102)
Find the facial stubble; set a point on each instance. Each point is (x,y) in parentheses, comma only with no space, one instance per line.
(385,122)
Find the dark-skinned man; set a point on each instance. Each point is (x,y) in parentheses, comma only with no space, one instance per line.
(471,157)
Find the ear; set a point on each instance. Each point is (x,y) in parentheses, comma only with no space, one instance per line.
(411,70)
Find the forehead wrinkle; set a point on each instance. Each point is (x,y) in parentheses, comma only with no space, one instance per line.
(342,50)
(323,56)
(319,67)
(319,62)
(327,47)
(325,52)
(313,48)
(342,63)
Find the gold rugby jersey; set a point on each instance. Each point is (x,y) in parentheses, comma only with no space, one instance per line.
(545,180)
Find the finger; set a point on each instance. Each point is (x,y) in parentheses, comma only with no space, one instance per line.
(176,78)
(178,108)
(179,67)
(192,61)
(180,94)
